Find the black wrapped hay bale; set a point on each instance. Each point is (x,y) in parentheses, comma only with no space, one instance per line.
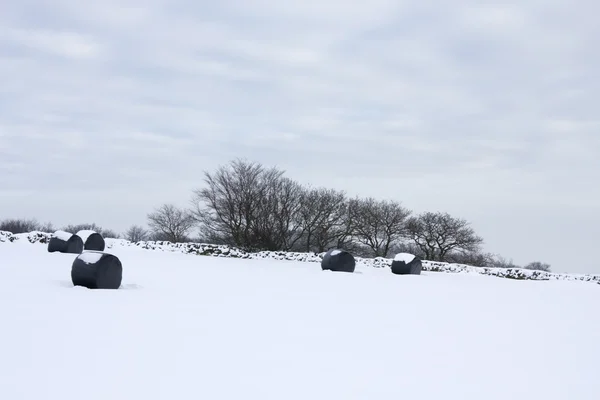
(92,240)
(97,270)
(339,261)
(65,242)
(406,264)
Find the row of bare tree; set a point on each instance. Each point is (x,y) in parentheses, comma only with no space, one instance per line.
(15,225)
(247,205)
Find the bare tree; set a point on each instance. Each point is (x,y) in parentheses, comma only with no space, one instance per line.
(229,204)
(438,234)
(475,258)
(136,234)
(172,222)
(247,205)
(322,215)
(82,227)
(278,225)
(406,247)
(538,266)
(378,223)
(501,262)
(110,234)
(256,208)
(161,237)
(47,227)
(20,225)
(344,231)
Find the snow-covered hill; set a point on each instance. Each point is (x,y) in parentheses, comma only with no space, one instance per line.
(189,327)
(204,249)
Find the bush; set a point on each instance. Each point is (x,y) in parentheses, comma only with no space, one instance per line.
(474,258)
(16,226)
(106,233)
(500,262)
(109,234)
(47,227)
(538,266)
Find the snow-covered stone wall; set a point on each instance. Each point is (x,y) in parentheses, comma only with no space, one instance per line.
(204,249)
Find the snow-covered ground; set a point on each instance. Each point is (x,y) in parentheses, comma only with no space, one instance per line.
(41,238)
(192,327)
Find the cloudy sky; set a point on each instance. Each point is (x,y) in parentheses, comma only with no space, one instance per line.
(489,112)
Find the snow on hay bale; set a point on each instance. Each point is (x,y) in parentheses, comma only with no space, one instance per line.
(65,242)
(97,270)
(406,264)
(338,260)
(92,240)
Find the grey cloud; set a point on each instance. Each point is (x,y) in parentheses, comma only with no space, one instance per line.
(482,111)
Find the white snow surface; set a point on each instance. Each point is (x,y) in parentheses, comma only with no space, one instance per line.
(41,238)
(406,257)
(335,252)
(84,235)
(191,327)
(90,257)
(62,235)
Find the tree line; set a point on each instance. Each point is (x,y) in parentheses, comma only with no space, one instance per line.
(253,207)
(15,225)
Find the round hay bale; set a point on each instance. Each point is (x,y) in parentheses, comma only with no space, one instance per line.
(406,264)
(65,242)
(97,270)
(339,261)
(92,240)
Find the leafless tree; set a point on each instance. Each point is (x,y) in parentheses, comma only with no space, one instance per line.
(247,205)
(82,227)
(278,225)
(20,225)
(253,207)
(163,237)
(230,203)
(47,227)
(406,247)
(438,234)
(136,234)
(475,258)
(538,266)
(110,234)
(378,223)
(322,215)
(501,262)
(172,222)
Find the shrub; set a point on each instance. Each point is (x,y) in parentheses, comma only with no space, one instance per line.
(15,226)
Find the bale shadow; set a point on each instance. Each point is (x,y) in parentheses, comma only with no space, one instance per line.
(69,285)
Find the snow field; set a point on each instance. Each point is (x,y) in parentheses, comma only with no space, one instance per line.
(189,327)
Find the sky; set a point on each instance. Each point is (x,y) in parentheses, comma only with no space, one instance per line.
(486,111)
